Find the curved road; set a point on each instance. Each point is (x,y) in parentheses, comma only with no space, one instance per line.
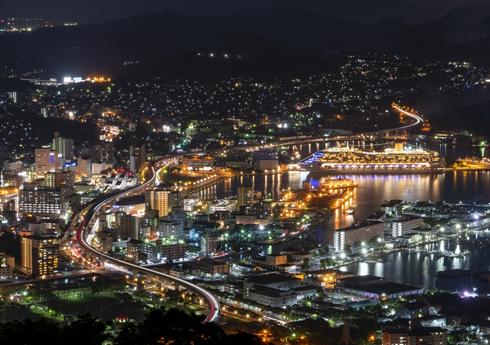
(85,229)
(418,120)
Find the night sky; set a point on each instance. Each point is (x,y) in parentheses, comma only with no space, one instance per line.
(86,11)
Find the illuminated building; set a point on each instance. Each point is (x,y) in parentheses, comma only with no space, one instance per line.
(168,228)
(137,158)
(133,205)
(12,96)
(376,288)
(7,265)
(244,195)
(402,225)
(356,234)
(209,242)
(45,202)
(171,251)
(47,160)
(224,205)
(134,250)
(158,250)
(211,267)
(39,256)
(63,147)
(246,219)
(8,197)
(197,162)
(161,200)
(415,336)
(99,167)
(84,167)
(272,262)
(128,227)
(59,179)
(266,160)
(272,297)
(104,152)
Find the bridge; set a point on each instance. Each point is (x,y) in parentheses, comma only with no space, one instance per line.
(417,120)
(86,230)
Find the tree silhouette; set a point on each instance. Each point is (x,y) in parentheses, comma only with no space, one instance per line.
(161,326)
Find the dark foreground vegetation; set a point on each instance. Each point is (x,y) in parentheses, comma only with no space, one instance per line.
(160,327)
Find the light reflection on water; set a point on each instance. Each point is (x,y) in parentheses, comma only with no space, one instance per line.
(374,190)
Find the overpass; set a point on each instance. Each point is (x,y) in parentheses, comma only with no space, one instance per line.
(86,230)
(417,120)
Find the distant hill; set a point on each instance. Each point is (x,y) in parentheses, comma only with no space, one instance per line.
(161,39)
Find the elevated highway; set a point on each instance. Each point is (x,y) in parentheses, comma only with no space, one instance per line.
(86,230)
(88,217)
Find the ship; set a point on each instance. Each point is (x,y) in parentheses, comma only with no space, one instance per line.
(397,160)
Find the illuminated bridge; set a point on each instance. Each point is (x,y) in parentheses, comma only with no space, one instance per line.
(86,230)
(305,139)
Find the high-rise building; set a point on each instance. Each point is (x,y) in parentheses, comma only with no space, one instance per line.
(244,195)
(63,147)
(137,158)
(356,234)
(44,202)
(171,229)
(59,179)
(171,251)
(12,96)
(40,255)
(47,160)
(103,152)
(84,167)
(161,200)
(209,242)
(113,219)
(128,227)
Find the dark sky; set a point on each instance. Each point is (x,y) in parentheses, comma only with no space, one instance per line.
(98,10)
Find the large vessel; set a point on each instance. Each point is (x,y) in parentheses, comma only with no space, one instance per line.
(398,160)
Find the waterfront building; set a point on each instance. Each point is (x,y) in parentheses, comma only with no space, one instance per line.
(356,234)
(404,224)
(266,160)
(245,195)
(197,162)
(223,205)
(377,288)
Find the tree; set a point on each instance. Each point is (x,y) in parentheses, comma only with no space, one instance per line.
(86,330)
